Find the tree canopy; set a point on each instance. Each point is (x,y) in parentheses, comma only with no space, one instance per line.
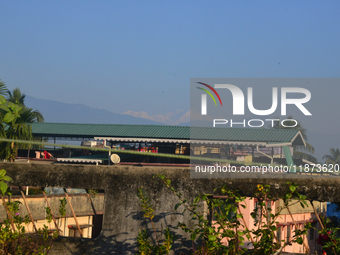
(15,120)
(333,158)
(29,115)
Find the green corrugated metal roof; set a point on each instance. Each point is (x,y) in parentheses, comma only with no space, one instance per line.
(166,132)
(91,130)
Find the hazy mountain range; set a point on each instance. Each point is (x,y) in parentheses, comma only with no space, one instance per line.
(54,111)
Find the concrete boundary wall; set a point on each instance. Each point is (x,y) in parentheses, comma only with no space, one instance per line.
(122,212)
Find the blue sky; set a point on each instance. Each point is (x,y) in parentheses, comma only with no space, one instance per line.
(140,55)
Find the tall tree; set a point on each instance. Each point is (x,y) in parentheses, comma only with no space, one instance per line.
(29,115)
(3,88)
(300,152)
(333,158)
(16,96)
(15,119)
(12,126)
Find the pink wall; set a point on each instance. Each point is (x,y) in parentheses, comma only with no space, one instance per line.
(285,223)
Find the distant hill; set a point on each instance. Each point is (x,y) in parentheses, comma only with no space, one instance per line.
(54,111)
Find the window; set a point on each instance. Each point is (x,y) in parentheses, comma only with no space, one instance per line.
(278,234)
(226,204)
(288,233)
(74,232)
(312,231)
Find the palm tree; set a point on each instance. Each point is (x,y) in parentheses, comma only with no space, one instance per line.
(28,114)
(300,151)
(17,123)
(3,88)
(16,96)
(333,158)
(16,130)
(12,126)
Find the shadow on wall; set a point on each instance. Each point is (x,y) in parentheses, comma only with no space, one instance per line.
(110,244)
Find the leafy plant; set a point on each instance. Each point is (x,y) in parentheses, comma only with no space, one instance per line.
(13,236)
(266,242)
(3,179)
(227,227)
(329,236)
(224,231)
(62,207)
(48,214)
(145,247)
(93,192)
(12,126)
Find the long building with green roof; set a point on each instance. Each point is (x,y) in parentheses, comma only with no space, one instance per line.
(168,134)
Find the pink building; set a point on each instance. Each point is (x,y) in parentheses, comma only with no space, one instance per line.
(286,224)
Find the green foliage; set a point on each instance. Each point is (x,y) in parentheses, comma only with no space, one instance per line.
(226,214)
(147,208)
(62,207)
(168,240)
(266,241)
(16,96)
(146,248)
(93,192)
(13,236)
(144,245)
(12,126)
(48,214)
(3,88)
(13,207)
(3,179)
(228,232)
(29,115)
(329,236)
(333,157)
(227,227)
(18,241)
(15,121)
